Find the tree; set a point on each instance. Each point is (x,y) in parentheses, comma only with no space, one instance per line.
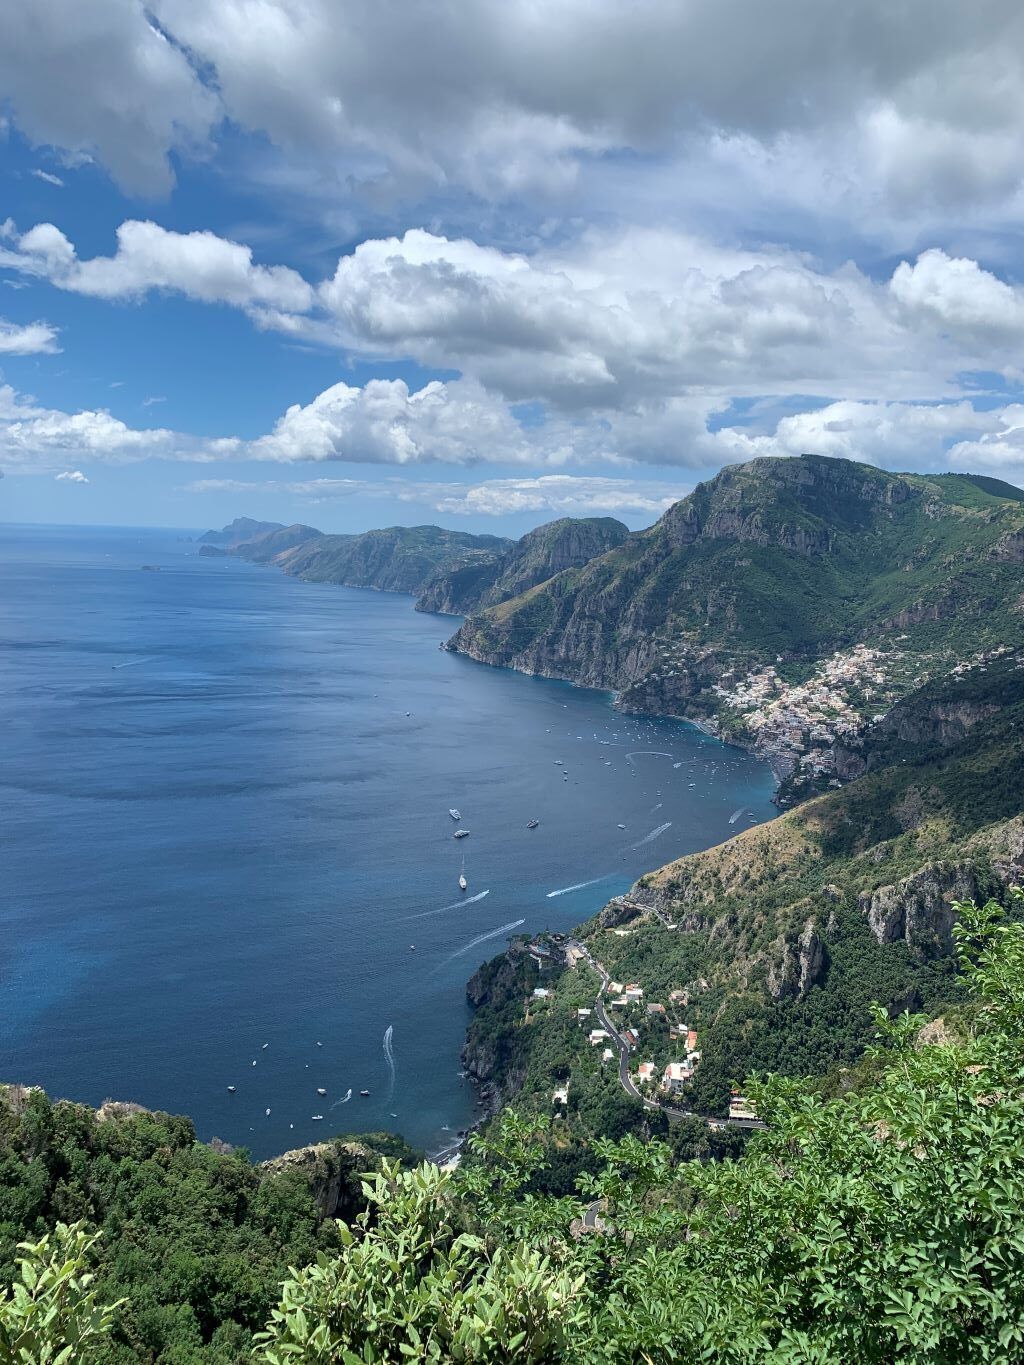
(51,1314)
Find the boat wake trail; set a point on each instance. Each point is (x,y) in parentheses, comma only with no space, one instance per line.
(577,886)
(482,938)
(424,914)
(344,1099)
(650,753)
(389,1057)
(654,834)
(130,663)
(736,815)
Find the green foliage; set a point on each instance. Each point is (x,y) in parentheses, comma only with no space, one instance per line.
(412,1286)
(198,1241)
(52,1315)
(884,1225)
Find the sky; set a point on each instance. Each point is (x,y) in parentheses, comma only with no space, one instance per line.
(356,263)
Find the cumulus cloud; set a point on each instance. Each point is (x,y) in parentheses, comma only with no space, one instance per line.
(200,265)
(33,338)
(959,297)
(614,321)
(71,476)
(103,79)
(919,102)
(385,423)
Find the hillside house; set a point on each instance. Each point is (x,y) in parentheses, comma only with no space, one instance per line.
(740,1107)
(597,1035)
(633,993)
(582,1015)
(677,1075)
(645,1073)
(657,1010)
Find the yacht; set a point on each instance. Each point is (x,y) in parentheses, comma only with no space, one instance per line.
(454,814)
(317,1118)
(320,1090)
(460,834)
(364,1092)
(532,824)
(231,1089)
(462,879)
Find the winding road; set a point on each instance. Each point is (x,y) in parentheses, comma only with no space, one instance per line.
(625,1079)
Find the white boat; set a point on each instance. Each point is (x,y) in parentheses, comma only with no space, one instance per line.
(460,834)
(317,1118)
(364,1092)
(462,877)
(454,814)
(532,824)
(320,1090)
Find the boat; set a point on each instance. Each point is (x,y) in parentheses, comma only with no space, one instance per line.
(622,826)
(532,824)
(462,877)
(460,834)
(231,1089)
(320,1090)
(454,814)
(267,1112)
(317,1117)
(364,1093)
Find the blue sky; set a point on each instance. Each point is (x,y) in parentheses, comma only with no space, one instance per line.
(490,264)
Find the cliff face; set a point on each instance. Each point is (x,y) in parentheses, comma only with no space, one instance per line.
(538,556)
(332,1172)
(774,561)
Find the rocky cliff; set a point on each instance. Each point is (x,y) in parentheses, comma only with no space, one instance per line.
(777,563)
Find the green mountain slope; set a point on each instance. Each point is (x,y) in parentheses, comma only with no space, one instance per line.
(778,939)
(397,559)
(568,543)
(765,576)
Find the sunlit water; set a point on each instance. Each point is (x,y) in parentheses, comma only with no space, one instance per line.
(226,837)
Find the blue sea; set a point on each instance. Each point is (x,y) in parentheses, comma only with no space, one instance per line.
(226,856)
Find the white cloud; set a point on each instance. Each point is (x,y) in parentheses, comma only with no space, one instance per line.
(906,105)
(958,296)
(48,177)
(558,494)
(33,338)
(615,321)
(561,494)
(200,265)
(101,78)
(72,476)
(385,423)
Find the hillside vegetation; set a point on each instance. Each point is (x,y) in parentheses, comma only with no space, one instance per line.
(778,939)
(778,563)
(568,543)
(882,1225)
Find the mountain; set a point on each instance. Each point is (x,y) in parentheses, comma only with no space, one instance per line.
(397,559)
(785,602)
(568,543)
(241,529)
(776,941)
(266,546)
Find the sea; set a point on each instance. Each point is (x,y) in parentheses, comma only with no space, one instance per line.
(226,854)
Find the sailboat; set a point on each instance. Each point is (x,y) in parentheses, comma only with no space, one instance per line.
(462,877)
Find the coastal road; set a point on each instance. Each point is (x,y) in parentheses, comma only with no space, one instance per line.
(625,1078)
